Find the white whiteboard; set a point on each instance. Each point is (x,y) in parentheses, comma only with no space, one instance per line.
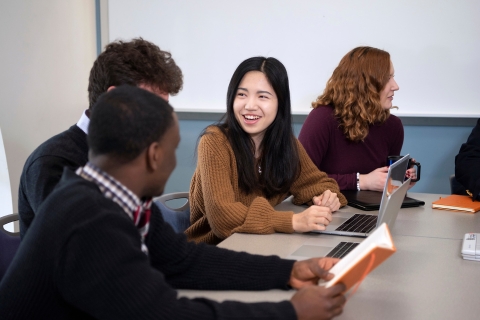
(434,46)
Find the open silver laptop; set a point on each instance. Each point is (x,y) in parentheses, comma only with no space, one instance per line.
(360,224)
(393,195)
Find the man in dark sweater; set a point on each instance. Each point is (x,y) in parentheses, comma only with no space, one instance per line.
(467,163)
(98,249)
(137,62)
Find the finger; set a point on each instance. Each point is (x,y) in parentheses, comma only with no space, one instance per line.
(336,290)
(318,226)
(331,198)
(324,212)
(338,301)
(325,197)
(317,270)
(322,220)
(335,205)
(327,263)
(411,173)
(317,200)
(337,311)
(328,277)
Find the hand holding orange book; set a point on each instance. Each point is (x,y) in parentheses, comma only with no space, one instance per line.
(368,255)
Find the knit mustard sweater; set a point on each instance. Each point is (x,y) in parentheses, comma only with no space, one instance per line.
(219,208)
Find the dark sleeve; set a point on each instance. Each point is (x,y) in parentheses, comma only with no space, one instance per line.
(102,272)
(42,176)
(315,138)
(346,181)
(38,181)
(467,163)
(187,265)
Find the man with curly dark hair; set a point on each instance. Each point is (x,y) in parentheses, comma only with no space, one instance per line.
(137,62)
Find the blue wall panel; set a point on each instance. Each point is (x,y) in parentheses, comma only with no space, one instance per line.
(434,147)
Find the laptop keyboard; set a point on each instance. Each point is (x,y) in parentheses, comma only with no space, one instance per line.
(362,223)
(342,249)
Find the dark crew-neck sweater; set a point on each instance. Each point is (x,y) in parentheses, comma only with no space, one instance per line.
(340,158)
(82,259)
(44,167)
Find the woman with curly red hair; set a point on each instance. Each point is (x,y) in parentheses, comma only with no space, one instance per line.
(350,132)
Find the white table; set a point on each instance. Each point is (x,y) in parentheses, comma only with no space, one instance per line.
(425,279)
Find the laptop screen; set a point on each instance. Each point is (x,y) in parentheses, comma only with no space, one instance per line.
(394,192)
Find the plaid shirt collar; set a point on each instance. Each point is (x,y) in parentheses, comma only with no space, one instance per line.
(111,188)
(118,193)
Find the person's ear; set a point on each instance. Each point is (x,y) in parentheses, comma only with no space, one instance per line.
(110,88)
(154,156)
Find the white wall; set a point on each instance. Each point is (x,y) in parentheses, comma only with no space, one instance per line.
(48,48)
(434,45)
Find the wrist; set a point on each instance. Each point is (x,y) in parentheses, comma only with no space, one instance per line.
(294,223)
(361,182)
(292,277)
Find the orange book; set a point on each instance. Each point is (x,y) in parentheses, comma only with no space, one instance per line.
(457,203)
(368,255)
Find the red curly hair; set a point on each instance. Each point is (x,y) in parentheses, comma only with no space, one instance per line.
(354,91)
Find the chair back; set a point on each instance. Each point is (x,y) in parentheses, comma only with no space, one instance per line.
(177,217)
(456,187)
(9,242)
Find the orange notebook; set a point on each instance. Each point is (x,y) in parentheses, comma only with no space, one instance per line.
(457,203)
(368,255)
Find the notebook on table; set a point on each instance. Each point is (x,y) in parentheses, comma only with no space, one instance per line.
(370,200)
(457,202)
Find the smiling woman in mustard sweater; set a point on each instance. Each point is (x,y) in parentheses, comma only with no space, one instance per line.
(251,162)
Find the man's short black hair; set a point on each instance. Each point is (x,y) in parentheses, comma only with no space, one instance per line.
(133,62)
(126,120)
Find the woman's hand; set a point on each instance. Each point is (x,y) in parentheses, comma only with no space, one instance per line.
(327,199)
(375,180)
(411,173)
(314,218)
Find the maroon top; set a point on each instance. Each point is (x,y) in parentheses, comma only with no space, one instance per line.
(340,158)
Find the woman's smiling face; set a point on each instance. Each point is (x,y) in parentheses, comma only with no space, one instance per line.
(255,105)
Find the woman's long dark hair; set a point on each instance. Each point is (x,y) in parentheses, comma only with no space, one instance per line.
(279,160)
